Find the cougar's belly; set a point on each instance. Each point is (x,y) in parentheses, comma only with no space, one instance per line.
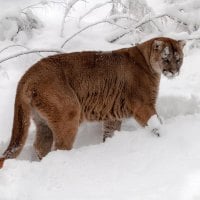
(103,98)
(98,108)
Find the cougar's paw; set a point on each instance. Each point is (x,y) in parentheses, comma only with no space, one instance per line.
(156,132)
(154,124)
(107,135)
(105,138)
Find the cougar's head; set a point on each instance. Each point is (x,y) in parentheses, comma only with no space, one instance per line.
(167,56)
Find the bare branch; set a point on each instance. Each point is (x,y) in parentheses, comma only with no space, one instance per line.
(155,25)
(31,6)
(18,45)
(99,5)
(109,21)
(43,3)
(29,52)
(67,10)
(123,16)
(145,20)
(83,29)
(192,38)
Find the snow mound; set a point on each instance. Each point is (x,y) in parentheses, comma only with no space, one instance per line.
(192,184)
(131,164)
(154,122)
(172,106)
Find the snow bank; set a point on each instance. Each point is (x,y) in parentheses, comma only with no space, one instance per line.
(18,25)
(154,122)
(191,189)
(171,106)
(130,165)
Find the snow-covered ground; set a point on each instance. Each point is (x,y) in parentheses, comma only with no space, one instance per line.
(133,164)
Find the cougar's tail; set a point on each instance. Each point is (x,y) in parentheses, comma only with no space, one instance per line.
(21,123)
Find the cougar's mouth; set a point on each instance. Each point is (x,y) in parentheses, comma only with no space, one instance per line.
(170,74)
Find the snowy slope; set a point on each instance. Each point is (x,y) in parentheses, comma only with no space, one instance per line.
(134,164)
(131,165)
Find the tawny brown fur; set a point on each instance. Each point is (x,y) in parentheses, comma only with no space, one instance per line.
(61,91)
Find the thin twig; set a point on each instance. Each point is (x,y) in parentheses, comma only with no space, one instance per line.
(96,23)
(111,22)
(29,52)
(190,38)
(83,29)
(18,45)
(42,3)
(31,6)
(67,10)
(99,5)
(141,23)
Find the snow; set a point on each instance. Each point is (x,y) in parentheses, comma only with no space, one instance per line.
(133,164)
(154,122)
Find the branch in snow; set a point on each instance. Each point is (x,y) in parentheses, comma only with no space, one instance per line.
(144,21)
(99,5)
(83,29)
(29,52)
(156,26)
(43,3)
(122,16)
(18,26)
(67,10)
(109,21)
(192,38)
(18,45)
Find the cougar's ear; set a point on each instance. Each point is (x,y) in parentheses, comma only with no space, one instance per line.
(157,44)
(181,43)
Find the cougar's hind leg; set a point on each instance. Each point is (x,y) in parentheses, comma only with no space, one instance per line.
(65,129)
(109,127)
(44,136)
(60,108)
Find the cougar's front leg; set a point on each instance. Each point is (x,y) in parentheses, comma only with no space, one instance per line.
(146,115)
(109,127)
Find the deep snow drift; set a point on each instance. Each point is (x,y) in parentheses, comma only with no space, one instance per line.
(134,164)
